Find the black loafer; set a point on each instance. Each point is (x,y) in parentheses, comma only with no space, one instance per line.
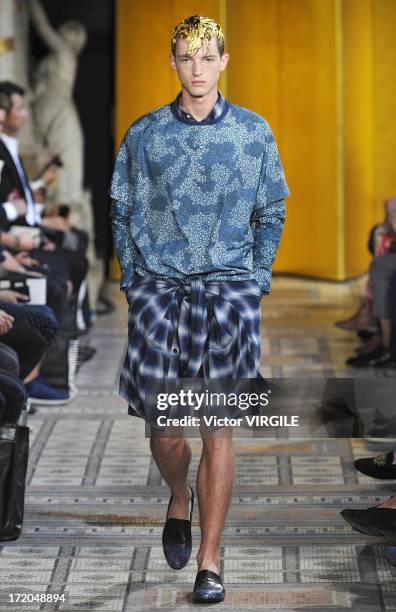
(372,521)
(368,359)
(208,587)
(380,466)
(176,538)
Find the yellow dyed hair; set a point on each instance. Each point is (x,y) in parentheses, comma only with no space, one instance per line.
(197,31)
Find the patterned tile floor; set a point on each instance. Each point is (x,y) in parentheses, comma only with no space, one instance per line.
(95,501)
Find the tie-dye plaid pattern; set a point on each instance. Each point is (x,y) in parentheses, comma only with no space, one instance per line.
(189,329)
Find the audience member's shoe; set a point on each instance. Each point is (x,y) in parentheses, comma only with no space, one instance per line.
(381,466)
(365,335)
(176,538)
(386,360)
(369,345)
(364,360)
(372,521)
(208,588)
(85,353)
(41,392)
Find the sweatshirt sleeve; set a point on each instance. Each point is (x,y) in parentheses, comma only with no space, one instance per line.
(122,191)
(269,213)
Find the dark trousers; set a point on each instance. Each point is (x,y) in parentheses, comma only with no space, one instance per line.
(12,397)
(40,318)
(28,344)
(9,360)
(392,296)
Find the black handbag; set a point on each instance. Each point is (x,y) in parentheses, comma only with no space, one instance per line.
(14,453)
(59,366)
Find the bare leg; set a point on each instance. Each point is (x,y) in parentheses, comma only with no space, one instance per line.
(172,455)
(214,488)
(389,503)
(32,375)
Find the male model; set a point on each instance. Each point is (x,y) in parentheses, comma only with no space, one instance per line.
(197,210)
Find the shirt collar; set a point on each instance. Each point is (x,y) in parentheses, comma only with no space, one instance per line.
(214,113)
(11,143)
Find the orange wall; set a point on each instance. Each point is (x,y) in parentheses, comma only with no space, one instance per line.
(384,101)
(285,70)
(358,132)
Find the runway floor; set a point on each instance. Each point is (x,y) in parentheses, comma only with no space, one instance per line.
(95,502)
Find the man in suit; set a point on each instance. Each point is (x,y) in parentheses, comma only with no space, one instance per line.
(65,270)
(18,206)
(11,206)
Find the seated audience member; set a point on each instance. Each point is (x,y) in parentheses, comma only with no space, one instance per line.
(392,299)
(40,327)
(18,206)
(379,520)
(377,307)
(23,266)
(28,332)
(363,319)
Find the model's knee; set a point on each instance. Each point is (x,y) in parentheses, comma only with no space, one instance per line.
(216,444)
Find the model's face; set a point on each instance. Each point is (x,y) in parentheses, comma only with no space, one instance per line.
(2,118)
(199,73)
(16,116)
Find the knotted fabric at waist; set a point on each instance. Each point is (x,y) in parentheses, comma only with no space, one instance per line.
(197,324)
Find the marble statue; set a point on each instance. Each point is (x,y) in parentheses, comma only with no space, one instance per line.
(56,116)
(58,123)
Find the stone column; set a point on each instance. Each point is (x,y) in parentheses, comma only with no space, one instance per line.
(14,39)
(7,41)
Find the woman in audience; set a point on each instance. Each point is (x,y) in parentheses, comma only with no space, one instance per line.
(375,307)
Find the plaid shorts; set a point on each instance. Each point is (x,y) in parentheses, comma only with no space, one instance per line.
(189,329)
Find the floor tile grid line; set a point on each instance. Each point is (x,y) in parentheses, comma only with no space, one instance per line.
(289,564)
(128,585)
(97,452)
(36,449)
(324,351)
(350,474)
(368,571)
(276,370)
(60,575)
(284,470)
(144,556)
